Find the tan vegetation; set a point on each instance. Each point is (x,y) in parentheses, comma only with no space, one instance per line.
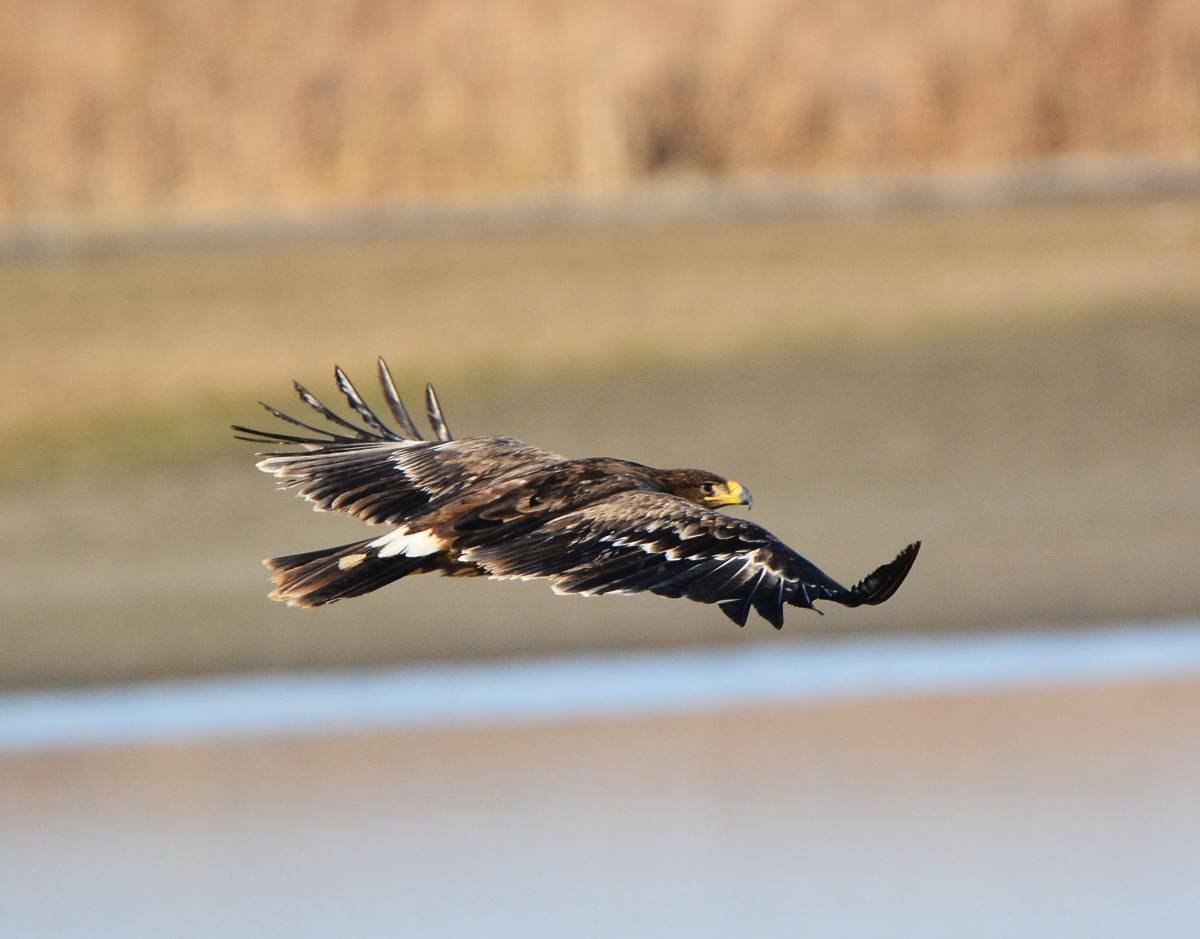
(125,111)
(139,352)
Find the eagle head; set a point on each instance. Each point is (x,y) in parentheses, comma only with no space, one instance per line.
(704,488)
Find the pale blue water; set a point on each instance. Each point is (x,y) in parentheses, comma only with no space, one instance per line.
(601,685)
(1010,785)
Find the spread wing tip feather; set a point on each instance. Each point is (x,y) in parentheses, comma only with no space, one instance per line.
(376,429)
(360,406)
(437,419)
(395,405)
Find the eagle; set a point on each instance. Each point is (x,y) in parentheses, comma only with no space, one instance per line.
(496,507)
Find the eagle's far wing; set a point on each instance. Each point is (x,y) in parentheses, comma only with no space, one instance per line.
(389,482)
(648,541)
(380,475)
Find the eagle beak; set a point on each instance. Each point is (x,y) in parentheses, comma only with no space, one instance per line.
(739,494)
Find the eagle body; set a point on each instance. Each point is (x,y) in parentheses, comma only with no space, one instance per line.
(497,507)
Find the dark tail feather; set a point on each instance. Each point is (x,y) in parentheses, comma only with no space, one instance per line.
(882,582)
(350,570)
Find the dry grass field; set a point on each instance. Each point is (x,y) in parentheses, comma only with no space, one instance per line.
(124,112)
(1018,388)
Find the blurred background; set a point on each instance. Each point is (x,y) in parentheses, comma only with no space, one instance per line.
(919,269)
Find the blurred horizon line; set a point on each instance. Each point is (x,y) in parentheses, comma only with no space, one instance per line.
(592,686)
(1071,179)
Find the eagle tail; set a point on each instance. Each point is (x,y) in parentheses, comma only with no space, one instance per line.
(315,578)
(882,582)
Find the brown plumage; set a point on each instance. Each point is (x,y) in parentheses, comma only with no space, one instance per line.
(496,507)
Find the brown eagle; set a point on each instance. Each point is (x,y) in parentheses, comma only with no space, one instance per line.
(497,507)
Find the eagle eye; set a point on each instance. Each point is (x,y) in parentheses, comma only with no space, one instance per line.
(708,488)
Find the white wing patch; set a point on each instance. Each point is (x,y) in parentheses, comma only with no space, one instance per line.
(561,591)
(415,544)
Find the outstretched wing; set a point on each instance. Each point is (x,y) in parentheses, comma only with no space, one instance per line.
(378,474)
(649,541)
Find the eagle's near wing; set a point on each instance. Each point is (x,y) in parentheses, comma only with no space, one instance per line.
(378,474)
(650,541)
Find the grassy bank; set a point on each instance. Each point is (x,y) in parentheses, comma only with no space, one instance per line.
(150,355)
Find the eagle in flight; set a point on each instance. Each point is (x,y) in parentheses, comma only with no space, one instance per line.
(497,507)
